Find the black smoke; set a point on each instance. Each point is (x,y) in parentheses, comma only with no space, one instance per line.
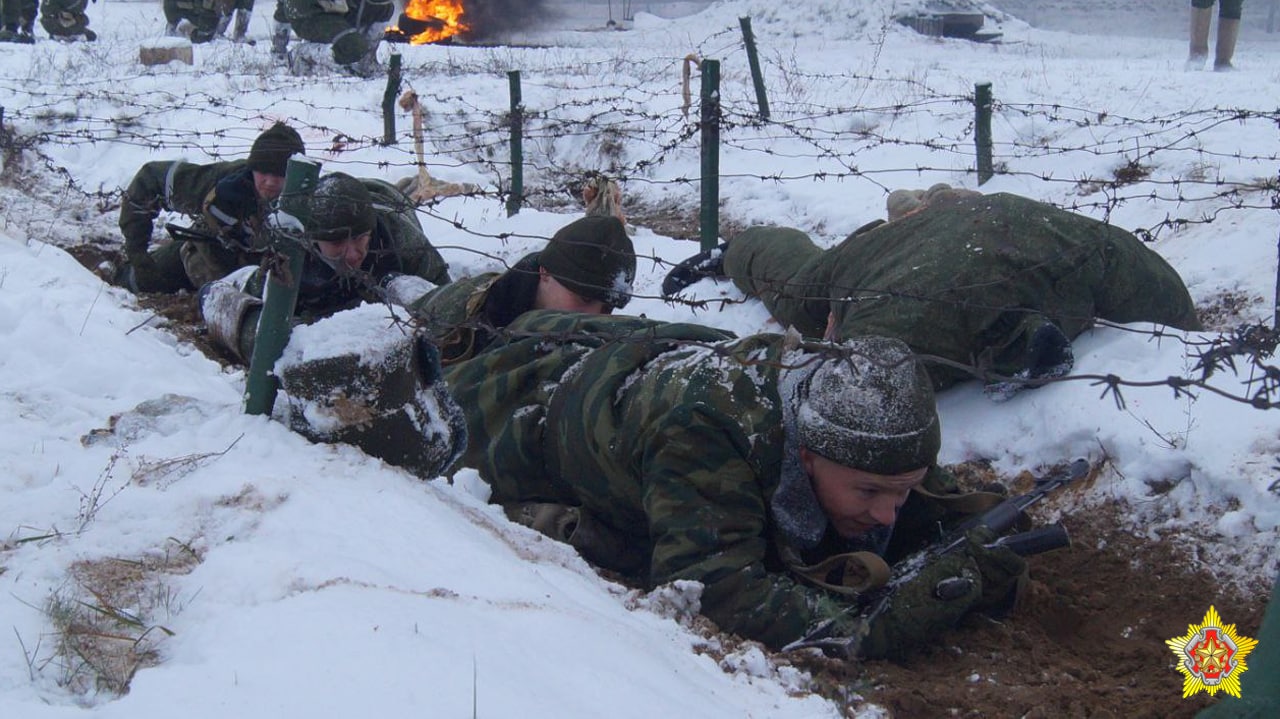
(497,17)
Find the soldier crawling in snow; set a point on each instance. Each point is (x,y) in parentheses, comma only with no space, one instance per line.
(366,245)
(674,452)
(1000,282)
(587,266)
(228,199)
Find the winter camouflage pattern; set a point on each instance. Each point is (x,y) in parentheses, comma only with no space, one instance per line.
(966,280)
(671,435)
(450,313)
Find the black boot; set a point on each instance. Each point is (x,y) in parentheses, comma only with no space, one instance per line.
(705,264)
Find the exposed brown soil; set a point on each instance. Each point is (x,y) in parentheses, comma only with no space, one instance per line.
(1087,639)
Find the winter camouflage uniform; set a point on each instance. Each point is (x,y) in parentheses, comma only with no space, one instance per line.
(184,187)
(66,19)
(207,17)
(592,257)
(352,27)
(463,315)
(682,457)
(969,280)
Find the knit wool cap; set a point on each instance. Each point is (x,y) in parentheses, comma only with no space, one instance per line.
(341,207)
(873,410)
(273,148)
(594,258)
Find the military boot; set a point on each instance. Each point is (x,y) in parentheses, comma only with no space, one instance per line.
(1225,48)
(1201,19)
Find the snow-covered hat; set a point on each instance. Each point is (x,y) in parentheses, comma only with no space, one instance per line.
(873,410)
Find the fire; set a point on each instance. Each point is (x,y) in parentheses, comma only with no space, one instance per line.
(438,19)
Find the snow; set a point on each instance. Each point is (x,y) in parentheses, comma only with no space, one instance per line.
(330,584)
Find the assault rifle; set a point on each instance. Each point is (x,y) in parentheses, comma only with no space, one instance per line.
(999,519)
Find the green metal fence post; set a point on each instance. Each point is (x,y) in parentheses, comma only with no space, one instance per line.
(982,130)
(516,198)
(753,59)
(709,217)
(281,294)
(389,100)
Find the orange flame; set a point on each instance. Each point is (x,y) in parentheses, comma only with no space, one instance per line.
(445,17)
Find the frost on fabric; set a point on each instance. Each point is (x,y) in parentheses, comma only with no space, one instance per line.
(875,393)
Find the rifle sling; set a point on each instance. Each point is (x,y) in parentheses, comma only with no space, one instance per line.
(849,574)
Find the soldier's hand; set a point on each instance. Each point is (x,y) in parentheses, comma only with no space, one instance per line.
(921,607)
(1003,571)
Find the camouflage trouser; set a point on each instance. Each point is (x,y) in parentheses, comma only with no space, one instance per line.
(349,33)
(778,265)
(971,282)
(204,262)
(64,18)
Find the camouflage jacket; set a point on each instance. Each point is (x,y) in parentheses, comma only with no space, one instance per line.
(672,435)
(175,186)
(465,315)
(963,279)
(398,246)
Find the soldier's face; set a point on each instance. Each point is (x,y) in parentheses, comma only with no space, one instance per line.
(350,252)
(855,501)
(268,186)
(554,296)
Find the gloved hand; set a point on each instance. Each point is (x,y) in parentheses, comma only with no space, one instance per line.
(928,603)
(1002,570)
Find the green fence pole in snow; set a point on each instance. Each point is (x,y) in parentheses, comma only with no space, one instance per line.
(753,59)
(982,130)
(709,217)
(281,294)
(516,198)
(389,100)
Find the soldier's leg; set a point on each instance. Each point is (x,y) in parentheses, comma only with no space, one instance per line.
(204,262)
(167,275)
(1201,20)
(776,265)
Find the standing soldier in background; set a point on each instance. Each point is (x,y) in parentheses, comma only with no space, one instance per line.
(229,200)
(587,266)
(1228,31)
(365,244)
(352,29)
(19,18)
(66,19)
